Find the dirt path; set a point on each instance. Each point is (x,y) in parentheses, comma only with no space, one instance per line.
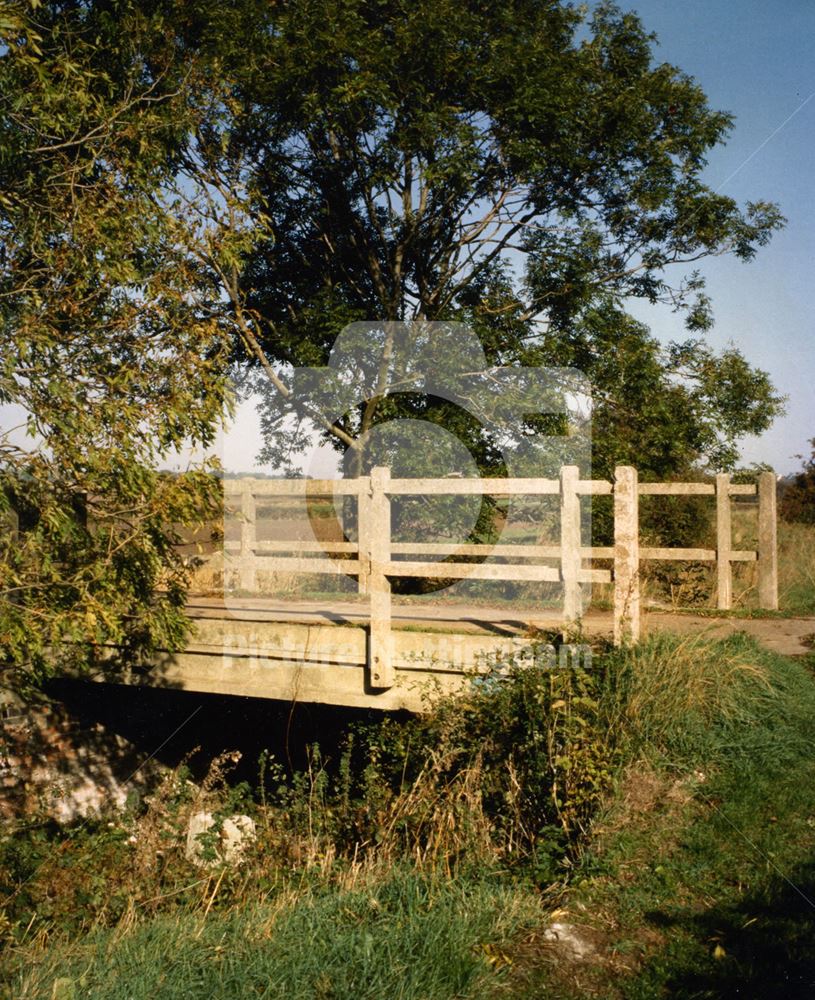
(790,636)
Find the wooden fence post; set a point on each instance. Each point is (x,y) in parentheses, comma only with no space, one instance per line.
(380,649)
(246,559)
(724,543)
(767,542)
(626,556)
(570,541)
(364,535)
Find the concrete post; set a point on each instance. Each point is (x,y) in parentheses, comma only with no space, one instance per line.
(380,651)
(724,543)
(570,541)
(626,556)
(767,542)
(246,562)
(364,535)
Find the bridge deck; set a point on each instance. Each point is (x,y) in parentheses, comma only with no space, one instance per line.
(318,651)
(442,616)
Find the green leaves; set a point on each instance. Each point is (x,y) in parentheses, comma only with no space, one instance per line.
(110,350)
(407,155)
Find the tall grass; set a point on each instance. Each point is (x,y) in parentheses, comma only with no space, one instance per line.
(690,699)
(688,584)
(796,563)
(701,879)
(506,776)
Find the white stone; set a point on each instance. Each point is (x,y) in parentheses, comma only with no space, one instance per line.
(235,834)
(569,938)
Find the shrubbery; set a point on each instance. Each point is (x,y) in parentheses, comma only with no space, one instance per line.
(798,497)
(508,774)
(499,786)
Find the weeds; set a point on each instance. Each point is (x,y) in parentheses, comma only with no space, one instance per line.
(408,864)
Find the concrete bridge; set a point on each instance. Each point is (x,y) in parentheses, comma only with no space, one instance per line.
(320,651)
(368,650)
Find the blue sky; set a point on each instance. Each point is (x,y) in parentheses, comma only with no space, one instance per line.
(757,60)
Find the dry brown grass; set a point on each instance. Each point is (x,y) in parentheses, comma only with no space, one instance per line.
(687,585)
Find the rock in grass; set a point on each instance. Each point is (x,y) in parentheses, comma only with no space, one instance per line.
(210,841)
(571,940)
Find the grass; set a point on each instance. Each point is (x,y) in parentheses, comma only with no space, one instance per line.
(796,565)
(402,935)
(734,900)
(664,802)
(692,699)
(796,561)
(700,888)
(421,852)
(699,879)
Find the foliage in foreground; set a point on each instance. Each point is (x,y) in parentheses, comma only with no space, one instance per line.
(508,775)
(418,874)
(699,880)
(109,356)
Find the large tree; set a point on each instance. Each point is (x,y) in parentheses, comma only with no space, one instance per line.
(527,168)
(185,185)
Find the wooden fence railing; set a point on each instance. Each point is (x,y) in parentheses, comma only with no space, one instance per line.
(376,558)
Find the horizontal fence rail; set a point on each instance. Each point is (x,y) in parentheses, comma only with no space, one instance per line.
(376,559)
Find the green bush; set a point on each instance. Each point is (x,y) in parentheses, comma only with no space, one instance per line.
(797,504)
(516,765)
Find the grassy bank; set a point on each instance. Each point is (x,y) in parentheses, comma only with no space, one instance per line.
(661,808)
(397,934)
(699,879)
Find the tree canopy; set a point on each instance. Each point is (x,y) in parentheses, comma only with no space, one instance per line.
(108,355)
(526,168)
